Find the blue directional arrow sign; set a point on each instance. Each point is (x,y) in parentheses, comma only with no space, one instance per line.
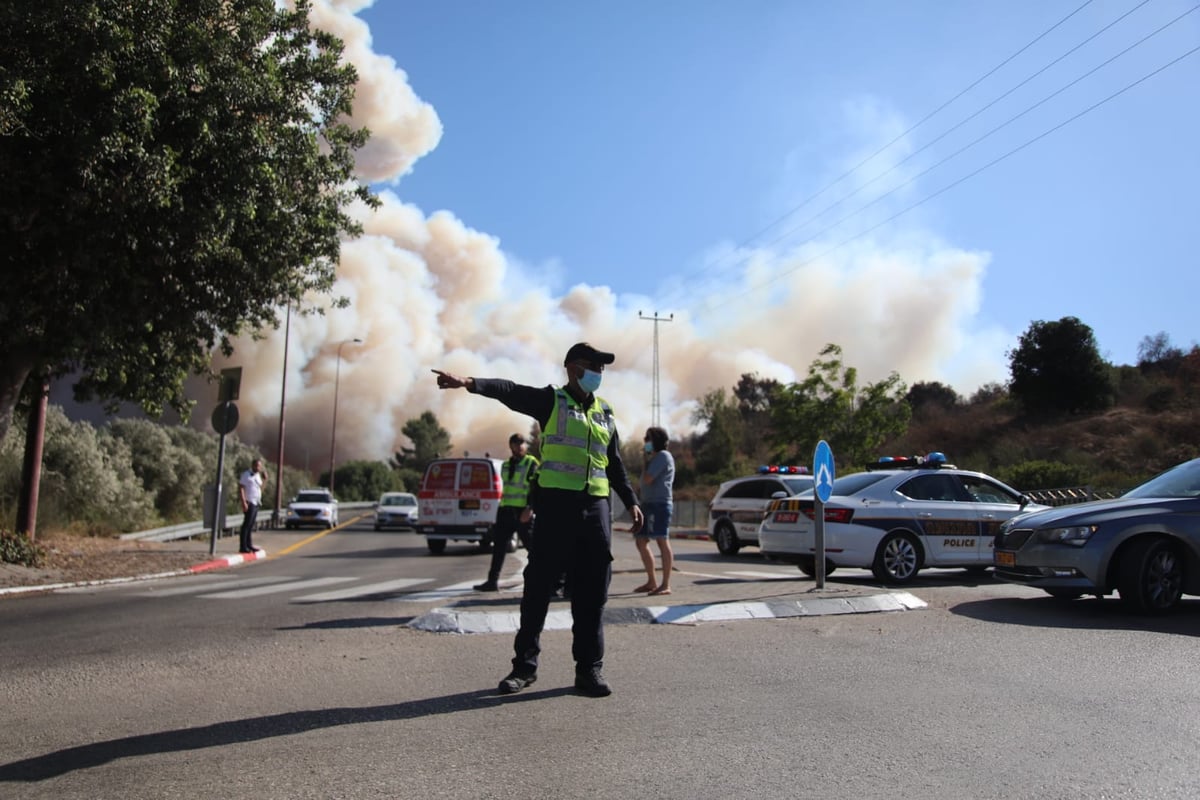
(823,471)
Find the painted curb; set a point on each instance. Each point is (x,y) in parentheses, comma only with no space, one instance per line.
(206,566)
(449,620)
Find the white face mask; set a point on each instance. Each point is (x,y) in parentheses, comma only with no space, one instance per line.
(590,381)
(649,447)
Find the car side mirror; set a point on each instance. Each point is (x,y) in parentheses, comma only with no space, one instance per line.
(779,494)
(1025,500)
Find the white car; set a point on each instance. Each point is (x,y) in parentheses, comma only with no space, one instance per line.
(737,509)
(396,510)
(898,517)
(312,507)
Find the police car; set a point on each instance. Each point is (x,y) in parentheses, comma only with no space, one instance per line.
(737,509)
(898,517)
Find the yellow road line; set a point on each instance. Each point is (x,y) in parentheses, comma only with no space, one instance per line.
(315,536)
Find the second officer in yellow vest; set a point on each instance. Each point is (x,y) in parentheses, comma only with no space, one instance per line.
(581,463)
(514,515)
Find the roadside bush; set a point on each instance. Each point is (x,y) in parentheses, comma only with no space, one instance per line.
(16,548)
(1030,475)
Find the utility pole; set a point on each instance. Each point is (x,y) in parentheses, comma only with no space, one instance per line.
(655,397)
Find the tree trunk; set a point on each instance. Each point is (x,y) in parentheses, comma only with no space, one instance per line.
(14,370)
(31,474)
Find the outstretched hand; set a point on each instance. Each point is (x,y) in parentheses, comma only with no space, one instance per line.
(447,381)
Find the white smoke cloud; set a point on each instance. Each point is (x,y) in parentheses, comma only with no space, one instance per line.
(428,292)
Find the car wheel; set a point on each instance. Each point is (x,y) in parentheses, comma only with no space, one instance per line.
(728,542)
(1150,576)
(1064,594)
(378,527)
(436,546)
(898,559)
(809,567)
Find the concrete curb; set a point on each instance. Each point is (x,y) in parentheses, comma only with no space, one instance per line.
(449,620)
(206,566)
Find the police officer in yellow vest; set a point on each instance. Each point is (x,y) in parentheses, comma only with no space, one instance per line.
(581,463)
(514,515)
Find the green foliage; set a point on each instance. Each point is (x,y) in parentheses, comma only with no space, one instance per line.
(195,156)
(829,405)
(1056,368)
(1030,475)
(716,449)
(931,398)
(430,441)
(364,480)
(17,548)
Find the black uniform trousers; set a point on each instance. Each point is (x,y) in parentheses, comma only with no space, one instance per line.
(573,535)
(508,520)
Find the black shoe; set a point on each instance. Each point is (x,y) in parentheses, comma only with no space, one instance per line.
(592,683)
(516,681)
(487,586)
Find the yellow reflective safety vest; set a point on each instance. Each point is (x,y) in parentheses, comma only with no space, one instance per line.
(516,479)
(575,445)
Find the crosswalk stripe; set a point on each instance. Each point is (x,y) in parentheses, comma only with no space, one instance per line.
(208,586)
(281,587)
(453,590)
(775,575)
(361,591)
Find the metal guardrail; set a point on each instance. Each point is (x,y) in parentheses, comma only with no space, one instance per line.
(186,530)
(1068,496)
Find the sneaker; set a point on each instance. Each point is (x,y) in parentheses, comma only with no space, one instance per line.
(487,586)
(516,681)
(592,683)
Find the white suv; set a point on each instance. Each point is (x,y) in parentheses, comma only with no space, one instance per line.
(312,507)
(737,509)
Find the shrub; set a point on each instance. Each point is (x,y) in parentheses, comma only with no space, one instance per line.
(16,548)
(1029,475)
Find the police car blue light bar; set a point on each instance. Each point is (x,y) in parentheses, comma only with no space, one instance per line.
(782,470)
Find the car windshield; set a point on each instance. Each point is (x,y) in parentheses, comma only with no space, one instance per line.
(399,500)
(312,497)
(1180,481)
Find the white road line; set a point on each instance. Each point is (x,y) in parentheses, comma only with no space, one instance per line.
(282,587)
(210,585)
(775,575)
(361,591)
(453,590)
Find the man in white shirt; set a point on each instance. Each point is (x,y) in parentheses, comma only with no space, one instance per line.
(250,487)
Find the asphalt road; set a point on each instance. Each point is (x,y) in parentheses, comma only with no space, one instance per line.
(232,684)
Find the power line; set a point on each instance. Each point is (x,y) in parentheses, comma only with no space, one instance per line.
(911,128)
(979,170)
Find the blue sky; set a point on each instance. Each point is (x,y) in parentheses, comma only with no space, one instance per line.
(900,179)
(621,142)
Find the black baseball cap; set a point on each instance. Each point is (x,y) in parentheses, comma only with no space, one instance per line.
(582,351)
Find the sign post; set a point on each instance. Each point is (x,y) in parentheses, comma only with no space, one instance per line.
(224,420)
(823,471)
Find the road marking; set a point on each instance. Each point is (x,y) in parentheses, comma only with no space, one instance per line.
(361,591)
(281,587)
(209,586)
(778,576)
(453,590)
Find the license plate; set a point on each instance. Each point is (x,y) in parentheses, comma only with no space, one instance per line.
(468,504)
(1005,558)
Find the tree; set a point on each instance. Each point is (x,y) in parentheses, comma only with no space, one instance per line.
(430,440)
(1057,368)
(829,405)
(363,480)
(753,396)
(928,398)
(716,448)
(174,173)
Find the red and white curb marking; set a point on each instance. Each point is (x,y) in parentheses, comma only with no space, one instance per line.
(216,563)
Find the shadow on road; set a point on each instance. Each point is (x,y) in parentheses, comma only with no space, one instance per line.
(1084,613)
(60,762)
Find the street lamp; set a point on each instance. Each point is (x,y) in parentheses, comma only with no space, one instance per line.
(276,516)
(333,433)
